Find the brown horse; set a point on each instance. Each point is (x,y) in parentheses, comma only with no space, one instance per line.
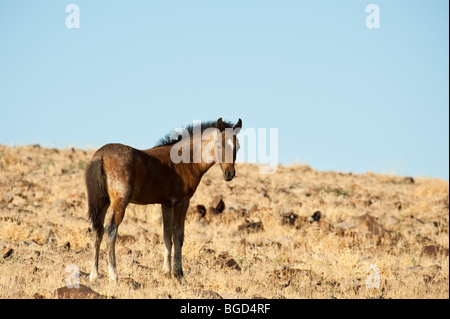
(118,174)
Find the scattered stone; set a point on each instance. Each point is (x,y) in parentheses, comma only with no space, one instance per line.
(7,252)
(315,217)
(365,225)
(201,210)
(251,226)
(66,246)
(126,239)
(231,263)
(83,292)
(368,224)
(207,294)
(19,200)
(226,260)
(218,204)
(434,251)
(288,218)
(408,180)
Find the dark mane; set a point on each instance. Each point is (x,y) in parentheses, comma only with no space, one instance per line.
(175,136)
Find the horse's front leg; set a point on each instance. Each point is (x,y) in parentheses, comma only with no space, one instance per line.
(179,216)
(167,214)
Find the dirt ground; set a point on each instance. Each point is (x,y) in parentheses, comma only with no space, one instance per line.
(298,233)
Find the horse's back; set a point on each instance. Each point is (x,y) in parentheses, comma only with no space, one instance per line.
(141,176)
(113,150)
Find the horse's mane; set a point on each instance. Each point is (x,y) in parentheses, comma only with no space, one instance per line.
(175,135)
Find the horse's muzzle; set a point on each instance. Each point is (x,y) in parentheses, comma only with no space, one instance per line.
(229,175)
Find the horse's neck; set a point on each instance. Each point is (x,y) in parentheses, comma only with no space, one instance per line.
(198,162)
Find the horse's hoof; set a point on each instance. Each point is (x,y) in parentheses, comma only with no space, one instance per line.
(181,280)
(113,279)
(93,277)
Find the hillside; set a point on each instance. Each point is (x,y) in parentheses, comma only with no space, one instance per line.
(299,233)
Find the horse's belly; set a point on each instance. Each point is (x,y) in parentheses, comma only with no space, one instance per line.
(145,196)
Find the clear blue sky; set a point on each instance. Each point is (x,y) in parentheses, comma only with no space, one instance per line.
(343,97)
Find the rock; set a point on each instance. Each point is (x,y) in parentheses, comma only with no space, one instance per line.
(258,297)
(126,239)
(66,246)
(7,252)
(19,201)
(288,218)
(364,224)
(368,224)
(408,180)
(218,204)
(231,263)
(434,251)
(201,210)
(83,292)
(315,217)
(251,226)
(208,294)
(226,260)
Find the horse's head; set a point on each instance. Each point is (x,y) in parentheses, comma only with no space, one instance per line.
(227,147)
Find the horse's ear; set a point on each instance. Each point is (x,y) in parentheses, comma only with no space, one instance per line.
(237,127)
(220,125)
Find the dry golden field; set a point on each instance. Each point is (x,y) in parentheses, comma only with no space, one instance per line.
(376,236)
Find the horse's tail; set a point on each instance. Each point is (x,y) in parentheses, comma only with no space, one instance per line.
(98,199)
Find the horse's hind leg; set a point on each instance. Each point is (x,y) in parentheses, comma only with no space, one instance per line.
(98,229)
(179,216)
(111,230)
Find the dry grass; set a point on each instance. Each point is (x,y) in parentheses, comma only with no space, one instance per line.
(405,235)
